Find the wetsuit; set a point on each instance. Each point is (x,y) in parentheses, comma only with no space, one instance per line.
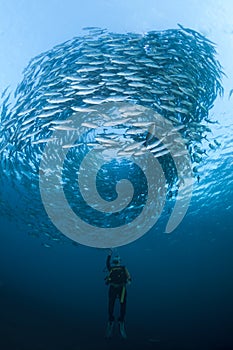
(117,291)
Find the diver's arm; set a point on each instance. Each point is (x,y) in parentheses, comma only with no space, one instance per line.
(108,264)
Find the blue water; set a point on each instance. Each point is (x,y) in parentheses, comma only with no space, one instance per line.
(54,297)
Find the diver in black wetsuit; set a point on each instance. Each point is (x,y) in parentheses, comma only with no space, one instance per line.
(117,279)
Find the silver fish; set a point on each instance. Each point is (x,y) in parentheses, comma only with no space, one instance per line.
(142,124)
(94,100)
(63,128)
(90,125)
(51,139)
(59,100)
(103,140)
(161,154)
(116,122)
(72,146)
(82,109)
(27,111)
(49,114)
(84,92)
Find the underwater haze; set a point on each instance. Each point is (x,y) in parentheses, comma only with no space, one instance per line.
(135,99)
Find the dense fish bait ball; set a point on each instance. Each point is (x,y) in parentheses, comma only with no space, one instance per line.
(173,72)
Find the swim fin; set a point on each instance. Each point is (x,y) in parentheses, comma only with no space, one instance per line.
(122,330)
(109,330)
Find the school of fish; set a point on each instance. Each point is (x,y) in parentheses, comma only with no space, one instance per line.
(174,73)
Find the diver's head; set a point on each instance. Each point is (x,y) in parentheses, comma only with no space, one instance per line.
(116,260)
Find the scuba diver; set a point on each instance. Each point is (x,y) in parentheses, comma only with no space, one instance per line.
(117,279)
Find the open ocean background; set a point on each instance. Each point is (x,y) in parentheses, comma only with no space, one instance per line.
(181,296)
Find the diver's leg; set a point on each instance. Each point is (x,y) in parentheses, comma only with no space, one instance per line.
(121,319)
(111,303)
(123,307)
